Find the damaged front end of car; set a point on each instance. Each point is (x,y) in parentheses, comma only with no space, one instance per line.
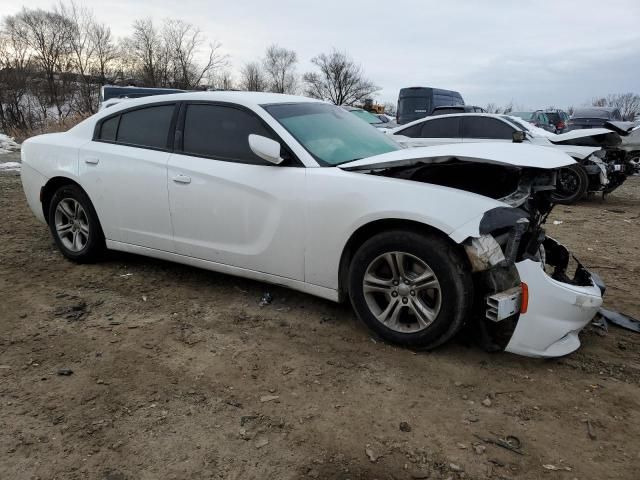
(529,298)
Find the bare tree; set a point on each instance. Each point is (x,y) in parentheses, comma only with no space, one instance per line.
(599,102)
(83,50)
(627,103)
(252,78)
(48,35)
(183,42)
(222,80)
(148,49)
(570,109)
(339,80)
(492,108)
(279,64)
(106,51)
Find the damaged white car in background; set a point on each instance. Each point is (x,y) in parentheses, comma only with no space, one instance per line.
(602,165)
(300,193)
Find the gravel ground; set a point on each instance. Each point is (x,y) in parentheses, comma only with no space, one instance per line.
(179,373)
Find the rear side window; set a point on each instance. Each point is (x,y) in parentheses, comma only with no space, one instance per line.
(485,127)
(441,128)
(109,129)
(146,127)
(222,133)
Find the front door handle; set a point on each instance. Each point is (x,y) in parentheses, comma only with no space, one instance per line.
(91,160)
(182,179)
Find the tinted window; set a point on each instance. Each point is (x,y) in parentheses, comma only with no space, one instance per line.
(412,131)
(146,127)
(411,105)
(222,132)
(486,127)
(441,128)
(109,128)
(553,117)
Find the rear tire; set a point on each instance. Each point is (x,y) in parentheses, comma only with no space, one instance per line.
(572,184)
(412,289)
(74,225)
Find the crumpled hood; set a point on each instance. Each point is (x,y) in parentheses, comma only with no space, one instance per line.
(604,137)
(513,154)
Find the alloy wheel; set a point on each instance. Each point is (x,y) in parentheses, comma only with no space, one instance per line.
(402,292)
(72,224)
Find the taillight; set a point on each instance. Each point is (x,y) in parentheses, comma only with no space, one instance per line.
(524,303)
(560,125)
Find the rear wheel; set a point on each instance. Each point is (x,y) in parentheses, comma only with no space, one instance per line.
(74,224)
(571,185)
(412,289)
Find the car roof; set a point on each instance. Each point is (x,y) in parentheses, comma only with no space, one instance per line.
(247,99)
(499,116)
(593,110)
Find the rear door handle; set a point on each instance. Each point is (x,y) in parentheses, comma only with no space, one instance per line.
(91,160)
(182,179)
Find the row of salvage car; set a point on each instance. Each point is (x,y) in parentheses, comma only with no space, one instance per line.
(422,241)
(604,157)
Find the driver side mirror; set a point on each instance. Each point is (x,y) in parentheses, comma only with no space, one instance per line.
(265,148)
(519,136)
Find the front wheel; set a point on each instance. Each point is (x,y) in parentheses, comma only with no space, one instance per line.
(74,224)
(411,289)
(571,185)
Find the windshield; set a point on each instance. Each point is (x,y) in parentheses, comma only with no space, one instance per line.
(366,116)
(329,133)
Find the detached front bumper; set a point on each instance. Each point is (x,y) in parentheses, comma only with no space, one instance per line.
(556,311)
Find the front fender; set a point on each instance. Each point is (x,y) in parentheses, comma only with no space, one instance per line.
(341,202)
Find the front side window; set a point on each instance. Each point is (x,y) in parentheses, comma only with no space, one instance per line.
(486,127)
(145,127)
(441,128)
(222,133)
(329,133)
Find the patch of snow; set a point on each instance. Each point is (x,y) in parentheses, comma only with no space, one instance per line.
(9,167)
(7,144)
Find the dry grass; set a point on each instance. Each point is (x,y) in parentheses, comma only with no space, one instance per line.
(49,126)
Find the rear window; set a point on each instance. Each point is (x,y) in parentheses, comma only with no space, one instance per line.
(591,113)
(553,116)
(411,105)
(146,127)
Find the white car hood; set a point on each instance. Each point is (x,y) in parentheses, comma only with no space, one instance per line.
(514,154)
(583,133)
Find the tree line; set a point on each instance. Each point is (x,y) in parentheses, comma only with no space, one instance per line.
(54,62)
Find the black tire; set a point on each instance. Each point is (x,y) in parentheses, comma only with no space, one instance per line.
(572,184)
(94,244)
(450,269)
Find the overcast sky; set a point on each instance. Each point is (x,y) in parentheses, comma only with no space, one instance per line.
(535,53)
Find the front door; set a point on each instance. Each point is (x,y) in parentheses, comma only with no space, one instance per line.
(229,206)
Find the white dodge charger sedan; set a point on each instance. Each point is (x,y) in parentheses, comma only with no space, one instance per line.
(300,193)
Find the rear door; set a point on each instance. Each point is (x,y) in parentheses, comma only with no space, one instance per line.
(433,131)
(124,171)
(486,129)
(229,206)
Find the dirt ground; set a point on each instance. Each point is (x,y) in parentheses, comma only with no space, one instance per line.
(179,373)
